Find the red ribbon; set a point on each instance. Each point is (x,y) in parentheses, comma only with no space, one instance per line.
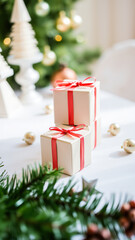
(95,97)
(70,132)
(60,84)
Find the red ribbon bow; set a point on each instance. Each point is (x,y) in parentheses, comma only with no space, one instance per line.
(63,132)
(73,84)
(69,131)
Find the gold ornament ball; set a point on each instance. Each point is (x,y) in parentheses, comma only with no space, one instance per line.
(48,109)
(114,129)
(42,8)
(29,138)
(63,22)
(129,145)
(76,20)
(63,73)
(49,57)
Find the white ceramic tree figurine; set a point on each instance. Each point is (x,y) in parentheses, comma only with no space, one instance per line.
(24,52)
(8,100)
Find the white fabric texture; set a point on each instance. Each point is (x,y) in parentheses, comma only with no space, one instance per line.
(116,69)
(114,168)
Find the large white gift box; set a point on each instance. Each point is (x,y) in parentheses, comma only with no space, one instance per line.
(77,105)
(67,149)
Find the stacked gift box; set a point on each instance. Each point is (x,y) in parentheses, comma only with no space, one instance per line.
(77,128)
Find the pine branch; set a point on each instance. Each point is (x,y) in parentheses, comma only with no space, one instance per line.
(31,178)
(38,205)
(3,175)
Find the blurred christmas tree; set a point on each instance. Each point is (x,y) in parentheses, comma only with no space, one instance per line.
(54,23)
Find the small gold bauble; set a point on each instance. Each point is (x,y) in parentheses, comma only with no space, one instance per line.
(114,129)
(42,8)
(129,145)
(63,22)
(48,109)
(76,20)
(29,138)
(49,57)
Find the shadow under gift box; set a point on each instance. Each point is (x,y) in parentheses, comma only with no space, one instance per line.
(86,105)
(68,150)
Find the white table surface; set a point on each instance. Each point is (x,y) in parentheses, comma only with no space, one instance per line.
(114,168)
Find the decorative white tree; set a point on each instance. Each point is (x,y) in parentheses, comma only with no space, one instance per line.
(8,100)
(24,52)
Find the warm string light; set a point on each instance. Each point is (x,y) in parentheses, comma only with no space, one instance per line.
(7,41)
(58,38)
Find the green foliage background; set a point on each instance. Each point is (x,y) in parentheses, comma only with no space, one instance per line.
(68,51)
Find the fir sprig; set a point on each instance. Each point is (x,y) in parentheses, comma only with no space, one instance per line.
(39,207)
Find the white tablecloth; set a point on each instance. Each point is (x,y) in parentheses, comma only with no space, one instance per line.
(114,168)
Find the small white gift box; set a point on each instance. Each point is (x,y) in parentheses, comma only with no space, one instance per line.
(76,102)
(67,148)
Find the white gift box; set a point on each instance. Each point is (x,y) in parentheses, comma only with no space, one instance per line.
(86,105)
(67,150)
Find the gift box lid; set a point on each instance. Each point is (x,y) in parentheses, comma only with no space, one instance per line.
(67,137)
(79,88)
